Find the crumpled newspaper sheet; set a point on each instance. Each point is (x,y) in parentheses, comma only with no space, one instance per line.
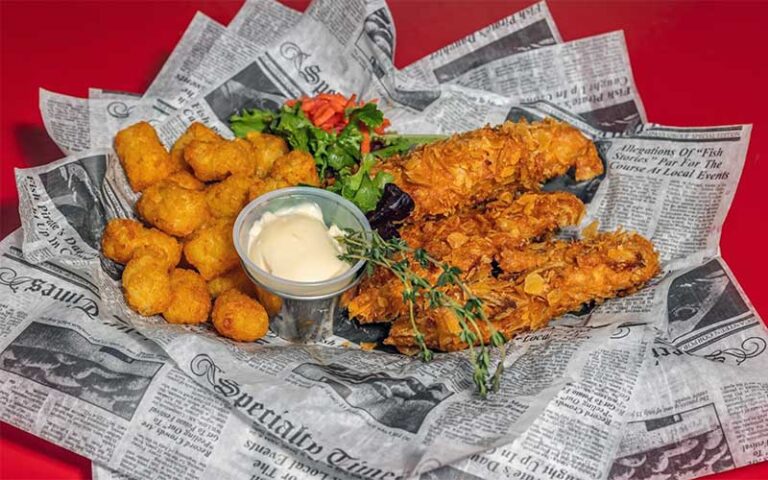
(598,394)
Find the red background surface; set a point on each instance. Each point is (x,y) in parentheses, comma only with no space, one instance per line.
(694,63)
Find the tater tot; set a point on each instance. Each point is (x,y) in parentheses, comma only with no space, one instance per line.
(228,197)
(186,180)
(235,278)
(216,160)
(296,168)
(142,155)
(196,131)
(190,300)
(173,209)
(268,149)
(239,317)
(147,281)
(271,302)
(211,250)
(122,237)
(238,279)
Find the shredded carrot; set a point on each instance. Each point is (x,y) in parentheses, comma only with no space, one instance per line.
(329,112)
(365,146)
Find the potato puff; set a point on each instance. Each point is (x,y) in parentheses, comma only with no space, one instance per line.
(211,250)
(173,209)
(268,149)
(228,197)
(238,279)
(186,180)
(196,131)
(212,161)
(190,300)
(123,237)
(271,302)
(239,317)
(147,281)
(142,155)
(295,168)
(235,278)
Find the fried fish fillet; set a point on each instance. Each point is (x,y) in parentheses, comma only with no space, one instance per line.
(567,275)
(469,168)
(472,241)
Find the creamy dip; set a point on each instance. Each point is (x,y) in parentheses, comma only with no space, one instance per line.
(294,243)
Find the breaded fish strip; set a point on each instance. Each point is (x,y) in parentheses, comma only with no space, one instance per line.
(571,274)
(239,317)
(211,249)
(190,301)
(142,155)
(196,131)
(237,278)
(228,197)
(268,149)
(473,167)
(217,160)
(147,281)
(173,209)
(123,237)
(470,241)
(294,168)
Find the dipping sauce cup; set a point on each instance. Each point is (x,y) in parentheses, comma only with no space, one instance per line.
(308,307)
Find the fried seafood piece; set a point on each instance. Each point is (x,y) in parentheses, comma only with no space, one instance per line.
(268,149)
(196,131)
(123,237)
(142,155)
(239,317)
(471,241)
(173,209)
(211,249)
(190,301)
(217,160)
(566,276)
(186,180)
(238,279)
(294,168)
(473,167)
(228,197)
(147,281)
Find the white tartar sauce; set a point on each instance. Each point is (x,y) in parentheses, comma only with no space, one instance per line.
(294,243)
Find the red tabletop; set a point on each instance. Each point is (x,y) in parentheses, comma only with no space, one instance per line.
(694,63)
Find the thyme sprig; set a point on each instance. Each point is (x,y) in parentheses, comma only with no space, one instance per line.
(394,255)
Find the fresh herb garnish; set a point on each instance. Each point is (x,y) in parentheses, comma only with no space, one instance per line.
(396,256)
(341,155)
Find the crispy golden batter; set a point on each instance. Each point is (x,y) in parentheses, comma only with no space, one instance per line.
(235,278)
(173,209)
(217,160)
(238,279)
(239,317)
(142,155)
(147,281)
(190,301)
(186,180)
(567,275)
(470,241)
(211,249)
(122,237)
(473,167)
(196,131)
(228,197)
(268,149)
(295,168)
